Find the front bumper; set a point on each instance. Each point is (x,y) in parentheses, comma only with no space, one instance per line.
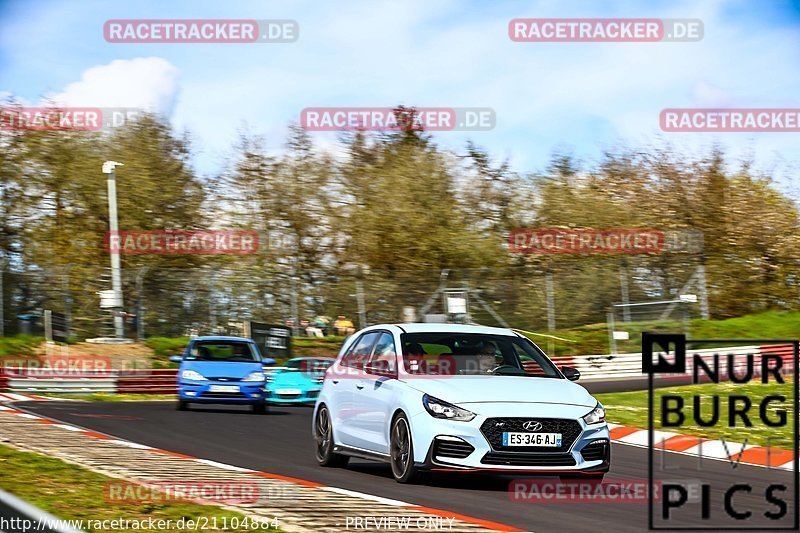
(289,395)
(200,392)
(448,445)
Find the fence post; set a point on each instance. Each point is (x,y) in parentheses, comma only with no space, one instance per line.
(139,307)
(623,285)
(551,309)
(551,305)
(701,282)
(67,304)
(612,342)
(362,310)
(295,318)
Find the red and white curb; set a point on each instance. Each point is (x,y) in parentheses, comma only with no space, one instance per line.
(12,397)
(706,448)
(469,520)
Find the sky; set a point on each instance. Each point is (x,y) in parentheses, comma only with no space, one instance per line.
(577,98)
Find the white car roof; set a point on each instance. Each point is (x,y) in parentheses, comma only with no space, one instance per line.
(418,327)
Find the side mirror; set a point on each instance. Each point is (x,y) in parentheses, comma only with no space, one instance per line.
(570,373)
(268,361)
(175,358)
(380,368)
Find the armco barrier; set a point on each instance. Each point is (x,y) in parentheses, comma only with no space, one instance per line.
(66,384)
(629,365)
(160,381)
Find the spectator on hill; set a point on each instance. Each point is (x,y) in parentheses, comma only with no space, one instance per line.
(343,326)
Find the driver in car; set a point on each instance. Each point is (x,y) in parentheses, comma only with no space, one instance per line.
(488,359)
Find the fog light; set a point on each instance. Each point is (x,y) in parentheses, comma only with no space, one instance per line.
(191,393)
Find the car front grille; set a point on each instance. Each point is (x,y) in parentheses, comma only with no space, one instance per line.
(595,451)
(493,429)
(450,448)
(223,395)
(528,459)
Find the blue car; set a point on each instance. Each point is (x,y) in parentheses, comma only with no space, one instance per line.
(298,381)
(222,370)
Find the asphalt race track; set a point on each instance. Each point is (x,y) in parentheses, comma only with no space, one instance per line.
(280,442)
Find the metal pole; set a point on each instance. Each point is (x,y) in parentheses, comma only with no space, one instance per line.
(623,285)
(701,282)
(295,320)
(551,306)
(139,307)
(551,310)
(67,305)
(116,267)
(362,308)
(612,342)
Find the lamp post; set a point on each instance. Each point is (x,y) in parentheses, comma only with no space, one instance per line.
(116,268)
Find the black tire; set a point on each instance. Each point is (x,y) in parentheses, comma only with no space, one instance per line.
(401,452)
(323,438)
(183,405)
(260,408)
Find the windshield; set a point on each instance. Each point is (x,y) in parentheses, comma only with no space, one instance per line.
(230,351)
(309,365)
(474,354)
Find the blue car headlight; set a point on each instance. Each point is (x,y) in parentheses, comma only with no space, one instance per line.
(441,409)
(254,376)
(191,375)
(595,416)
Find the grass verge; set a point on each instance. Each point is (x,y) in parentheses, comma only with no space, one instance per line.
(72,492)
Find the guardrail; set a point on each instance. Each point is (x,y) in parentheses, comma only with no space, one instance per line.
(164,381)
(157,381)
(140,381)
(629,365)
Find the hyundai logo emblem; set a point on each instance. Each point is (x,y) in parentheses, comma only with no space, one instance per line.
(532,425)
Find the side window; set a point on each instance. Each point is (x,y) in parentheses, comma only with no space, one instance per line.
(359,354)
(385,354)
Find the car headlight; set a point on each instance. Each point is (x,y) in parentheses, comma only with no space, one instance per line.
(595,416)
(440,409)
(192,375)
(254,376)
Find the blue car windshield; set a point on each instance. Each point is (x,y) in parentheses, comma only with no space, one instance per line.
(224,351)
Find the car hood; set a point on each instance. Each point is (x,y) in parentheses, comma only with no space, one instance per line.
(509,389)
(217,369)
(293,378)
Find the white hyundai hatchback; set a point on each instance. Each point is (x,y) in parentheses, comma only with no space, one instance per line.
(425,397)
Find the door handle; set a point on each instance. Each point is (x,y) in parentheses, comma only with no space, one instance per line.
(359,386)
(334,381)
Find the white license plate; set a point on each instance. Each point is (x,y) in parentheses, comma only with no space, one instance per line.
(223,388)
(289,391)
(515,438)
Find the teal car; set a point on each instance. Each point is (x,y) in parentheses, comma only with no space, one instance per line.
(297,381)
